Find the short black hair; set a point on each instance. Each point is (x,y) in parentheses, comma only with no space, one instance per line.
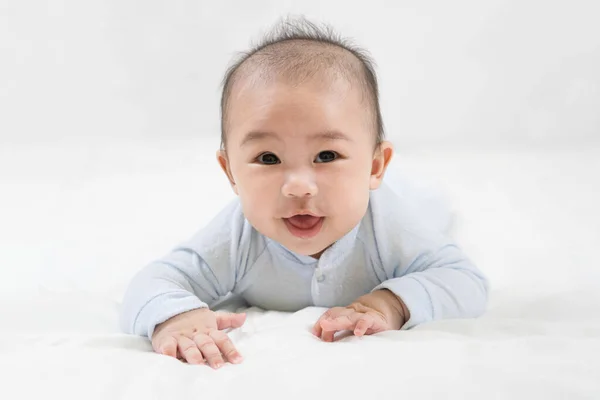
(291,32)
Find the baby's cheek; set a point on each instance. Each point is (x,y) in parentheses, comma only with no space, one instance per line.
(258,221)
(349,209)
(259,210)
(355,196)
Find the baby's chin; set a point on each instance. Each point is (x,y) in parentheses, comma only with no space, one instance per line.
(312,247)
(312,250)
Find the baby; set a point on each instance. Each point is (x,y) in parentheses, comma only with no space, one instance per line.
(313,223)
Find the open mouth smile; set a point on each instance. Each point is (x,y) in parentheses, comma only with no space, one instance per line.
(304,226)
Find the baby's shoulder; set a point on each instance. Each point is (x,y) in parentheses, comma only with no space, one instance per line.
(413,205)
(399,222)
(227,231)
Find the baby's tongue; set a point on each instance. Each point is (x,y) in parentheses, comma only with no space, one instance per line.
(304,221)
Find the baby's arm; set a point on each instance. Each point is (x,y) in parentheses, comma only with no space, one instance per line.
(180,282)
(439,283)
(192,276)
(420,263)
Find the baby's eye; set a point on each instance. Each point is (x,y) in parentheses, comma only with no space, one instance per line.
(326,156)
(268,159)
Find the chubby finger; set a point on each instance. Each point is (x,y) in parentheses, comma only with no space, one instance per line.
(365,321)
(316,329)
(230,320)
(166,345)
(325,330)
(330,328)
(226,346)
(341,322)
(328,336)
(209,350)
(329,314)
(189,350)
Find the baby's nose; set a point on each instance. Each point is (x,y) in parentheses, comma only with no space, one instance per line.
(300,184)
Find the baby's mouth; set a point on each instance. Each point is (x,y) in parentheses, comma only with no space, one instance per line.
(303,221)
(303,225)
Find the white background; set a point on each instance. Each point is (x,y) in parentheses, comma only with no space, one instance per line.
(466,71)
(109,122)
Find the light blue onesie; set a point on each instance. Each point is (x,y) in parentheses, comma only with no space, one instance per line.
(390,248)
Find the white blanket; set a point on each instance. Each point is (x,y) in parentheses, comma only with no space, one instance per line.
(72,237)
(544,346)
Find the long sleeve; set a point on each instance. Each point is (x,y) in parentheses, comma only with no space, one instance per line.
(193,275)
(439,285)
(423,267)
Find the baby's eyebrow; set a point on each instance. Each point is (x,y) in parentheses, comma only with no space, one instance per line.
(331,135)
(257,135)
(326,135)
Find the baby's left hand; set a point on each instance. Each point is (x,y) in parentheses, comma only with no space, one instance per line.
(375,312)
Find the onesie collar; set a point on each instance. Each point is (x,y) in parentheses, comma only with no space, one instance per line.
(334,255)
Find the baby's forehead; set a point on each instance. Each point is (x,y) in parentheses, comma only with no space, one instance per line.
(296,62)
(275,89)
(309,112)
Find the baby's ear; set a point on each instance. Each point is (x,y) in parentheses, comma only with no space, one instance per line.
(224,163)
(381,159)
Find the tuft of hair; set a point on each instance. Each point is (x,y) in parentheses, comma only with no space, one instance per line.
(298,47)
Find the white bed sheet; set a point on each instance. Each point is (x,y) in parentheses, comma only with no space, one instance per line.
(72,237)
(542,345)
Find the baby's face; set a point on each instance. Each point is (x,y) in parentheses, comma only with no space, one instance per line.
(302,160)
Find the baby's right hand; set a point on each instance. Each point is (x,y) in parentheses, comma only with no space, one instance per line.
(197,337)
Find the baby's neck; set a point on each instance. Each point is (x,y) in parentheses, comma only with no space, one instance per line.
(319,254)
